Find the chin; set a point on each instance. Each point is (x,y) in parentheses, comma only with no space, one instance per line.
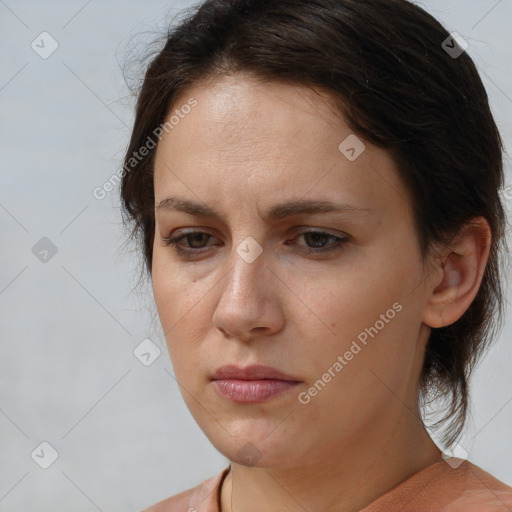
(253,449)
(251,455)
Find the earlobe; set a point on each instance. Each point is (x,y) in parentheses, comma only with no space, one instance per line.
(462,268)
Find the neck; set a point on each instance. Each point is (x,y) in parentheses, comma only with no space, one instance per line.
(349,481)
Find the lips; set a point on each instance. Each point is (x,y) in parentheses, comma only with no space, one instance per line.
(255,372)
(253,384)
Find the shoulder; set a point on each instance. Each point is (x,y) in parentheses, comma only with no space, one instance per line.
(448,486)
(478,491)
(202,498)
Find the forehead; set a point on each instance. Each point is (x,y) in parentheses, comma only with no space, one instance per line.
(264,139)
(238,105)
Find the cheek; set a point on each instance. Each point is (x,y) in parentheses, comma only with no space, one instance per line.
(355,383)
(174,291)
(368,316)
(183,310)
(338,306)
(166,295)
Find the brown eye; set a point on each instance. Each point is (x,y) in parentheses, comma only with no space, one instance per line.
(318,242)
(194,242)
(315,238)
(196,238)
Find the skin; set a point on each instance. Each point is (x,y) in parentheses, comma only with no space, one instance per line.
(244,148)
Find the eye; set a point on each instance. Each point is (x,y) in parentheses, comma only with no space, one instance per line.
(317,242)
(194,240)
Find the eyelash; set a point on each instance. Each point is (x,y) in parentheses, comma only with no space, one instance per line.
(173,242)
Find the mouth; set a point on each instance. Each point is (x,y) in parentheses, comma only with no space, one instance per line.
(253,384)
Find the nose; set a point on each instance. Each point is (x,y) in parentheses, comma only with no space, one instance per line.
(249,304)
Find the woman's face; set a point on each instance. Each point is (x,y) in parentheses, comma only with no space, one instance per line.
(333,297)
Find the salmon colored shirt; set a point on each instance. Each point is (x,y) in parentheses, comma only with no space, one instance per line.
(438,488)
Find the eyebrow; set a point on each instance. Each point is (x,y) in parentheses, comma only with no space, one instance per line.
(276,212)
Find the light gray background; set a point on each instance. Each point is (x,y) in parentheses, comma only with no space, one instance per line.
(68,375)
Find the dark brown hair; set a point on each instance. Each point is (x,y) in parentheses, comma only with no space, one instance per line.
(385,62)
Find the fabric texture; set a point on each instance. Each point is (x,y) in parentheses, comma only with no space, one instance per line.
(448,486)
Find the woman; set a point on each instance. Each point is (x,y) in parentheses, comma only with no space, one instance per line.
(315,185)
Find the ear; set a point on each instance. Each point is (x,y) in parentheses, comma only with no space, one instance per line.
(460,268)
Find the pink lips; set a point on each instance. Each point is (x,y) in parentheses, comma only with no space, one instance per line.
(252,385)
